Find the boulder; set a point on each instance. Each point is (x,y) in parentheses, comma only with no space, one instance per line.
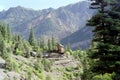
(33,53)
(2,74)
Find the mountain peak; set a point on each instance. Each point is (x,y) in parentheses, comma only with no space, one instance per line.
(19,8)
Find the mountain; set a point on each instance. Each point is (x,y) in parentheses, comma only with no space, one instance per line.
(80,39)
(60,23)
(17,15)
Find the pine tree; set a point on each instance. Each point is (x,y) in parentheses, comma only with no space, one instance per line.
(43,43)
(49,45)
(1,36)
(68,47)
(8,33)
(27,49)
(2,46)
(32,38)
(53,43)
(3,30)
(106,54)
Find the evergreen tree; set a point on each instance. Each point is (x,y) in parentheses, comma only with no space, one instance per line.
(32,37)
(49,45)
(8,33)
(27,49)
(2,46)
(1,36)
(53,43)
(68,47)
(3,30)
(106,54)
(43,43)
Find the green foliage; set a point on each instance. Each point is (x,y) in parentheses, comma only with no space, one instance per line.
(48,77)
(1,36)
(8,33)
(79,54)
(82,57)
(69,69)
(68,76)
(49,45)
(103,77)
(40,75)
(3,50)
(105,54)
(68,47)
(53,43)
(32,39)
(22,48)
(47,64)
(70,73)
(29,74)
(27,49)
(33,72)
(43,43)
(12,65)
(5,54)
(38,65)
(39,53)
(4,31)
(19,48)
(12,45)
(116,76)
(2,46)
(16,38)
(18,52)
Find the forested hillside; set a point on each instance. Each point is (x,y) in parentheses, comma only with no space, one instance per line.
(35,59)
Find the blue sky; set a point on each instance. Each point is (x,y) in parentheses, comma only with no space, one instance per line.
(35,4)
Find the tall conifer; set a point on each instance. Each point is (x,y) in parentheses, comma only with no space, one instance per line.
(32,37)
(106,54)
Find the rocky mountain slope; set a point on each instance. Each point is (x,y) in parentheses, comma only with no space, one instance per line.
(60,23)
(80,39)
(56,73)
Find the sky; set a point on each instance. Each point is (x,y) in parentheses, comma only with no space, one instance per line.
(35,4)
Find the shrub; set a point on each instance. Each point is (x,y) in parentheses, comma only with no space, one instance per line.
(47,64)
(39,75)
(69,75)
(102,77)
(29,74)
(38,65)
(69,69)
(12,64)
(48,77)
(18,52)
